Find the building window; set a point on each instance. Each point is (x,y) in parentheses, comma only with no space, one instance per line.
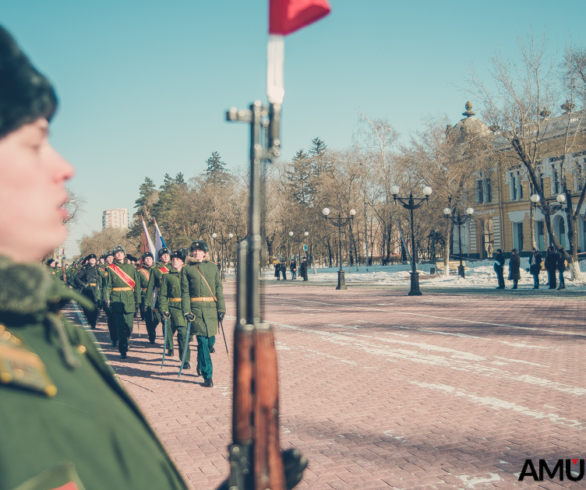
(513,187)
(555,181)
(540,232)
(479,192)
(518,236)
(520,186)
(488,190)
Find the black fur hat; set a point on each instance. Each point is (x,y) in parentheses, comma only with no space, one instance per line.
(147,254)
(25,94)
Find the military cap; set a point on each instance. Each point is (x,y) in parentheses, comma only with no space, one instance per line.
(199,245)
(91,256)
(109,253)
(25,94)
(178,254)
(117,249)
(50,261)
(163,251)
(131,257)
(147,254)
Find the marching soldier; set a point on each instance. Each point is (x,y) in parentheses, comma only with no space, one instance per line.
(146,309)
(111,321)
(170,306)
(66,420)
(87,281)
(157,272)
(122,294)
(203,304)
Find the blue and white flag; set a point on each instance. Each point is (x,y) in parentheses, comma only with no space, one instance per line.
(159,240)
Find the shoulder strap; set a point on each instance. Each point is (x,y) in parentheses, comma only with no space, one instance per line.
(204,280)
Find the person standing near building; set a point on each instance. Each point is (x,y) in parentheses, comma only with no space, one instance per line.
(551,264)
(87,281)
(535,267)
(122,295)
(303,268)
(563,260)
(171,309)
(514,268)
(66,420)
(499,266)
(203,304)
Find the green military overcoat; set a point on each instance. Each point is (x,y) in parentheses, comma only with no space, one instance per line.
(194,286)
(66,420)
(124,301)
(171,290)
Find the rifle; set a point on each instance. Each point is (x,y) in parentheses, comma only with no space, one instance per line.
(256,460)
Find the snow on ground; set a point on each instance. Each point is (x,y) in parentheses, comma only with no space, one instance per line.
(479,274)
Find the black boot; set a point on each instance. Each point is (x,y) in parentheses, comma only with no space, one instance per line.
(114,343)
(170,352)
(212,350)
(186,366)
(208,383)
(123,355)
(198,370)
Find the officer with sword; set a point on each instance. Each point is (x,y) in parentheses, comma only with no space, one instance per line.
(203,304)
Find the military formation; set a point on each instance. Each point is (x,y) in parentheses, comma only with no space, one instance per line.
(182,292)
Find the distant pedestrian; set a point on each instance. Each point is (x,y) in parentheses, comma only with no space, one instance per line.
(551,263)
(293,268)
(278,271)
(562,264)
(514,268)
(535,267)
(499,265)
(303,269)
(284,270)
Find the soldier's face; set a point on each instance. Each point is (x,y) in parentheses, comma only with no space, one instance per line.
(148,261)
(32,193)
(198,254)
(92,262)
(119,256)
(165,258)
(177,263)
(109,259)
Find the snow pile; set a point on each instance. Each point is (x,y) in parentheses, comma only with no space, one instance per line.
(479,274)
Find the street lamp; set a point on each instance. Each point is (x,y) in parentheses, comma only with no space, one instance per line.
(339,223)
(551,208)
(412,203)
(459,220)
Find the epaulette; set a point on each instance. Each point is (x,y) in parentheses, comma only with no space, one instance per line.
(21,367)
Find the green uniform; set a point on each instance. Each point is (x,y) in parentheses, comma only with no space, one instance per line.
(111,321)
(146,310)
(157,272)
(87,281)
(170,301)
(66,421)
(205,325)
(123,299)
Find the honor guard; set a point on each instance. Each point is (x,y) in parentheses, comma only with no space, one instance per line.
(66,420)
(122,295)
(154,286)
(203,304)
(111,321)
(171,309)
(87,281)
(146,309)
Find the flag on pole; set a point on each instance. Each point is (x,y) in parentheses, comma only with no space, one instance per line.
(286,17)
(146,242)
(159,241)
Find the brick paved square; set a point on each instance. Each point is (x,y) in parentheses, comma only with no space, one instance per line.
(380,390)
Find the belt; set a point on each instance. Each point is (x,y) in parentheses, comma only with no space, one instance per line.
(174,300)
(121,289)
(203,298)
(92,284)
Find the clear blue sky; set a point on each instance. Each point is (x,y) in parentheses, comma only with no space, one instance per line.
(144,84)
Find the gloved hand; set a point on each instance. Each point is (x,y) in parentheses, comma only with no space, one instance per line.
(189,316)
(166,314)
(221,315)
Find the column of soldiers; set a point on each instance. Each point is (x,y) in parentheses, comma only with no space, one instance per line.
(181,287)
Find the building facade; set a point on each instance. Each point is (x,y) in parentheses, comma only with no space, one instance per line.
(115,218)
(504,215)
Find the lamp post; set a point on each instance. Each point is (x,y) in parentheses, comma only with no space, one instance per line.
(339,223)
(223,241)
(459,220)
(553,208)
(412,203)
(214,235)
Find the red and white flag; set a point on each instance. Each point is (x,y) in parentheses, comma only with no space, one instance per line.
(286,17)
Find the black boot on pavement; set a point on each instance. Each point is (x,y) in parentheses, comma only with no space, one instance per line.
(170,352)
(208,383)
(186,366)
(198,370)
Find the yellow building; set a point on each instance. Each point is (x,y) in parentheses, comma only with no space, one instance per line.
(503,210)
